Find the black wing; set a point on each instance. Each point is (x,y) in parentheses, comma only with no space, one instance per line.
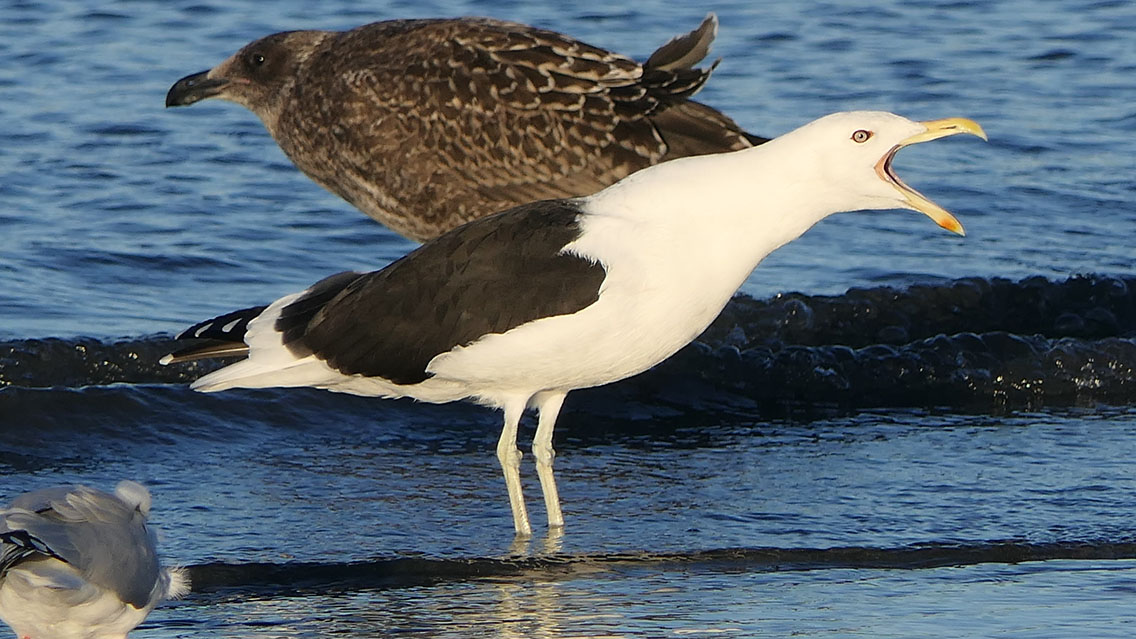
(488,276)
(225,336)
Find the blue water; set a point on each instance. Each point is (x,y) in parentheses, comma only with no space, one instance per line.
(122,220)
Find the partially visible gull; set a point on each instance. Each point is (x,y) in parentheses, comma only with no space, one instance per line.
(516,310)
(78,563)
(427,124)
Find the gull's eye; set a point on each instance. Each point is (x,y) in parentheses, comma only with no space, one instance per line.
(256,60)
(861,136)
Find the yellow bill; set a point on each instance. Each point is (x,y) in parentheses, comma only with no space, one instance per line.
(935,129)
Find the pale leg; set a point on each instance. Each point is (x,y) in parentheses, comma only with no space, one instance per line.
(510,458)
(548,403)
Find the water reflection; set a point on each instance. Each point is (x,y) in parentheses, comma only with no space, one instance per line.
(1011,599)
(549,544)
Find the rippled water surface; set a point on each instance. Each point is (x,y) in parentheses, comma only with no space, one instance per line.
(947,456)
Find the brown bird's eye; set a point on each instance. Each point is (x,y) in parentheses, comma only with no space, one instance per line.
(257,60)
(861,136)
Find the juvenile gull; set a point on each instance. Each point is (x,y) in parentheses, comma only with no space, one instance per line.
(427,124)
(517,309)
(76,562)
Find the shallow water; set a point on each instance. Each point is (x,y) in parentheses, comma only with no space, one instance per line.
(951,456)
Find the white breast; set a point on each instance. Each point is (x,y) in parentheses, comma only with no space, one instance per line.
(658,296)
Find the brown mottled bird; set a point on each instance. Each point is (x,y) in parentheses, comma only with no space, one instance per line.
(427,124)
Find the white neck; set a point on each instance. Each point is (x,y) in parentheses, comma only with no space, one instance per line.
(729,209)
(677,241)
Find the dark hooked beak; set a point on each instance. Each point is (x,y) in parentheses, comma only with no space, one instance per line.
(194,88)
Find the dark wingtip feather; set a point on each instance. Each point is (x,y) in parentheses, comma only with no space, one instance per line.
(229,327)
(685,51)
(226,334)
(18,545)
(206,351)
(754,139)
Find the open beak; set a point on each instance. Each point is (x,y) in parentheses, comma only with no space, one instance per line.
(194,88)
(935,129)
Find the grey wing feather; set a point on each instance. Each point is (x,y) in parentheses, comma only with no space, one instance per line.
(100,536)
(22,529)
(17,545)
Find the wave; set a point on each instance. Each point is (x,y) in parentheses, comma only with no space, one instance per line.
(404,572)
(76,362)
(961,343)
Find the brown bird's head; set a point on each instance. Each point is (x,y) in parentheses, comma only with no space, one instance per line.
(256,77)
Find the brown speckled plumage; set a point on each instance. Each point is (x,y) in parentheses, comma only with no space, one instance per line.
(427,124)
